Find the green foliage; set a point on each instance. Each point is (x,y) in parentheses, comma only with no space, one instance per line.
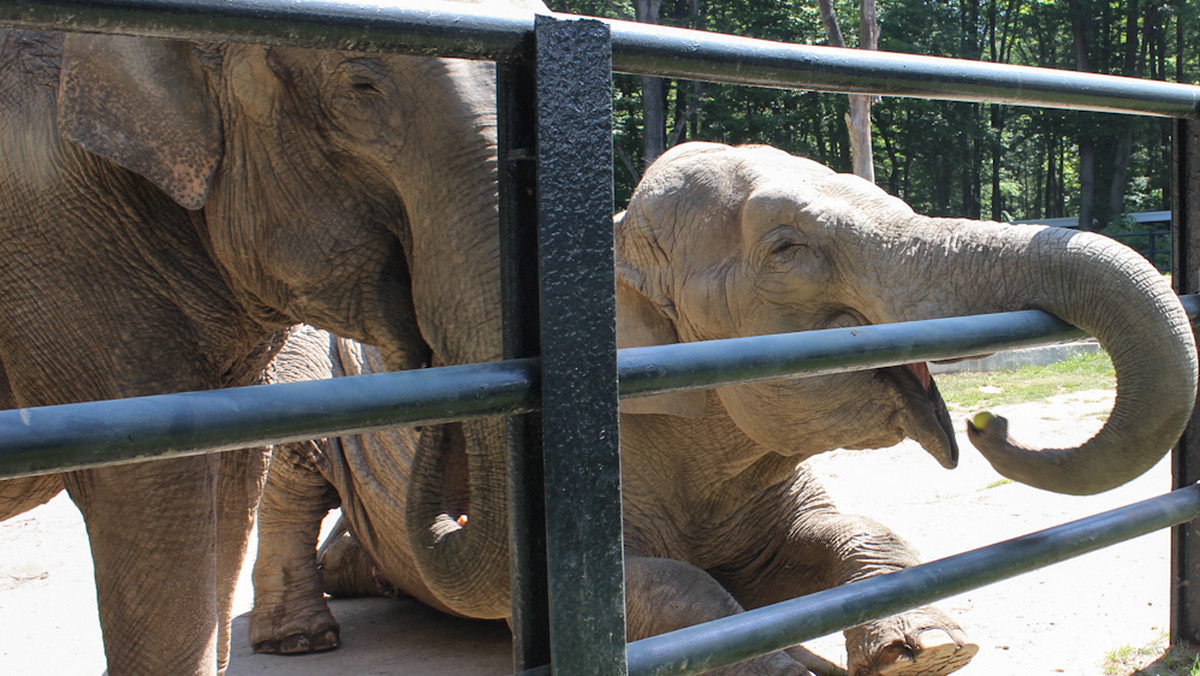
(805,123)
(944,158)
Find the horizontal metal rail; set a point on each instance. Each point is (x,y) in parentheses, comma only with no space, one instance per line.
(701,648)
(90,434)
(455,30)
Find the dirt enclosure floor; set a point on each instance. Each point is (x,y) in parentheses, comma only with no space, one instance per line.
(1060,620)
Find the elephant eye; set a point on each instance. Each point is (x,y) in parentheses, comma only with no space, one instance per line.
(364,76)
(786,248)
(364,86)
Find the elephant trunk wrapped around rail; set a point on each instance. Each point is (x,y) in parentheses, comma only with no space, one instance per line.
(720,511)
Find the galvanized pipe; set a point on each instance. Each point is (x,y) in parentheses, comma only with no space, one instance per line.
(417,28)
(74,436)
(738,361)
(701,648)
(461,31)
(92,434)
(697,55)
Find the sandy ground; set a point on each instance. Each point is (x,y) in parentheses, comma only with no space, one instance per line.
(1060,620)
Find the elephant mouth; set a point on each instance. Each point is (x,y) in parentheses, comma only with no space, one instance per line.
(924,417)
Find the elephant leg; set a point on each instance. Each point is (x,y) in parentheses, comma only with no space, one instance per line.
(290,613)
(664,594)
(152,528)
(240,484)
(820,548)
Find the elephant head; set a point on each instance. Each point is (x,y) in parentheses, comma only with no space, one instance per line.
(321,176)
(721,242)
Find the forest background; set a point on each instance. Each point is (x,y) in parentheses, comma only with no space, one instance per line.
(945,159)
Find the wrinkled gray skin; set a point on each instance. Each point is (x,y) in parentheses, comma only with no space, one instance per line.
(167,209)
(369,476)
(720,512)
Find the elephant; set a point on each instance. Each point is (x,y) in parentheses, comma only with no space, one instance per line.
(721,513)
(168,209)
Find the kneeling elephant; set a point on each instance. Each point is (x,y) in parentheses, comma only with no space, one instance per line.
(720,511)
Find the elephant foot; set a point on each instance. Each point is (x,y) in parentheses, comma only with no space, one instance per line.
(310,633)
(290,614)
(922,642)
(935,654)
(298,644)
(347,571)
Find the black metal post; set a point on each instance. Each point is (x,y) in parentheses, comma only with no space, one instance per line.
(517,172)
(1185,268)
(578,336)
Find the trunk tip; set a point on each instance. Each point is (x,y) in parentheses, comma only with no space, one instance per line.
(988,432)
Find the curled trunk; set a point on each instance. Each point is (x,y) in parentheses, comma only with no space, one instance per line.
(1113,293)
(457,517)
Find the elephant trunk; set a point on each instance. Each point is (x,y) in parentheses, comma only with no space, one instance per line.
(457,517)
(1113,293)
(456,509)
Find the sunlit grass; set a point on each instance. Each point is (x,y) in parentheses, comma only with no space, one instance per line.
(982,390)
(997,483)
(1153,659)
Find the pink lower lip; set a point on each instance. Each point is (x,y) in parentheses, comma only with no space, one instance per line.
(921,371)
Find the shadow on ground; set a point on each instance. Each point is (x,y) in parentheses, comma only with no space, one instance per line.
(1179,660)
(388,636)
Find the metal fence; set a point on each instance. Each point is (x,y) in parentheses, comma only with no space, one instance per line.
(1152,239)
(1155,245)
(553,88)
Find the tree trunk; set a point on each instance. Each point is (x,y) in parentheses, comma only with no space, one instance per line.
(858,120)
(998,48)
(1124,146)
(894,179)
(1087,182)
(997,121)
(654,97)
(654,119)
(1180,46)
(1116,191)
(832,30)
(1080,31)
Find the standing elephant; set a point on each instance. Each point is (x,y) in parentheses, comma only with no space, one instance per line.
(167,210)
(721,513)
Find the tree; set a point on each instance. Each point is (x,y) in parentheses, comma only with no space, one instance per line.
(858,120)
(654,94)
(944,158)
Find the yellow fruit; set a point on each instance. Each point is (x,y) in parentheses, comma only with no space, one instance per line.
(981,420)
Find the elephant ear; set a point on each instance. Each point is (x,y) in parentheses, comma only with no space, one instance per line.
(639,323)
(144,104)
